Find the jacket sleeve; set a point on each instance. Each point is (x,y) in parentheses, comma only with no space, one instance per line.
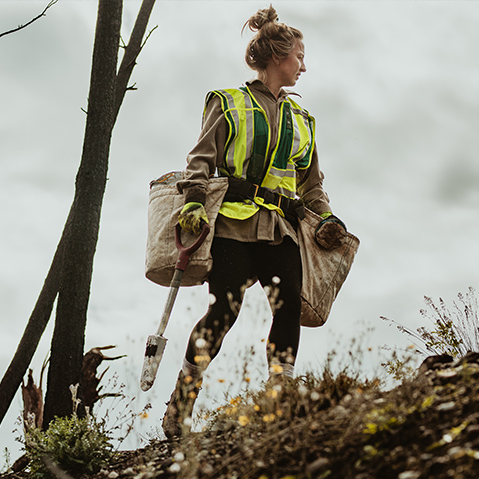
(310,187)
(207,154)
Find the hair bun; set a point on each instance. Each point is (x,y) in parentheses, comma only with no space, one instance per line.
(261,18)
(271,38)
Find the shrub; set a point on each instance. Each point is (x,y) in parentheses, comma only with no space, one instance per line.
(77,445)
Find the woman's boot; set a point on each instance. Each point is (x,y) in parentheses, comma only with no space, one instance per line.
(180,406)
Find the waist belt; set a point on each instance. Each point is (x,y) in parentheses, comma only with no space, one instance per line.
(240,190)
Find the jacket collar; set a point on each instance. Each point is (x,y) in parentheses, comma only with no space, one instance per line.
(256,84)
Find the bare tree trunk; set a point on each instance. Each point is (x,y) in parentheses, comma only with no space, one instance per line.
(82,236)
(44,305)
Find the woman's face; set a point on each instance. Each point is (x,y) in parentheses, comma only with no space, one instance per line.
(290,68)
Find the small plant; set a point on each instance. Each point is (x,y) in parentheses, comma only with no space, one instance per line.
(399,368)
(7,461)
(454,332)
(78,445)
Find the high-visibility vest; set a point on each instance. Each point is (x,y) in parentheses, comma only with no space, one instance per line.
(248,143)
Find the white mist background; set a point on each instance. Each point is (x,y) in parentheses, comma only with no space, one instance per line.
(394,88)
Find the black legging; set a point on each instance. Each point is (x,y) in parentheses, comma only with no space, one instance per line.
(234,264)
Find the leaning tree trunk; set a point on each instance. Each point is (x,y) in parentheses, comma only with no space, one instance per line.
(43,308)
(82,236)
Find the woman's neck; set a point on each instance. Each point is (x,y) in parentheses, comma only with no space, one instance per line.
(274,87)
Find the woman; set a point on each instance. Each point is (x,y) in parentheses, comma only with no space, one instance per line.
(263,141)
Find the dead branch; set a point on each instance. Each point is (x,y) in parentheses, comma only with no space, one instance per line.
(90,381)
(32,402)
(20,27)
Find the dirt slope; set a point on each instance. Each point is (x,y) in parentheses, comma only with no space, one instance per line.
(426,428)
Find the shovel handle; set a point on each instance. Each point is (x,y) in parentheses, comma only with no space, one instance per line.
(186,252)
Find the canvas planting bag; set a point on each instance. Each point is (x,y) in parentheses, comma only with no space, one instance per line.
(324,271)
(165,204)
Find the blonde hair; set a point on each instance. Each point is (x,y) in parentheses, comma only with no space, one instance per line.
(272,38)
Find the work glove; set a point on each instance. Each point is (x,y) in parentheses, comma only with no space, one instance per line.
(331,233)
(192,217)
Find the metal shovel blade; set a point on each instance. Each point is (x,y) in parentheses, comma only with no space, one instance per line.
(155,346)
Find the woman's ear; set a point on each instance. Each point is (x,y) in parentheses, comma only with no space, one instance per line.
(276,59)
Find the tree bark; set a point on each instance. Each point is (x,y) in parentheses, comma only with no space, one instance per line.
(44,305)
(82,236)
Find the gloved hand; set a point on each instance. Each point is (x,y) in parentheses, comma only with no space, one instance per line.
(331,233)
(192,216)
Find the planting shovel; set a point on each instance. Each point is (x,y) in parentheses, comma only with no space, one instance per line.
(155,344)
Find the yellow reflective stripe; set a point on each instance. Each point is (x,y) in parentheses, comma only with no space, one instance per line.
(236,143)
(282,181)
(305,125)
(238,210)
(286,191)
(287,187)
(241,109)
(301,127)
(312,128)
(260,201)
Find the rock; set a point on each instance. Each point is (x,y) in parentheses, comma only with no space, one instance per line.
(317,465)
(409,475)
(435,362)
(447,406)
(470,357)
(447,374)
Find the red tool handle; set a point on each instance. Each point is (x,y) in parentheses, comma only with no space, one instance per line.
(185,253)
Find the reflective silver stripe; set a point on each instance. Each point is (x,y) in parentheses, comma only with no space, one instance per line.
(230,158)
(285,192)
(297,136)
(289,172)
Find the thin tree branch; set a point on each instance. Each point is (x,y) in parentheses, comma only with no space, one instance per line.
(20,27)
(148,36)
(132,50)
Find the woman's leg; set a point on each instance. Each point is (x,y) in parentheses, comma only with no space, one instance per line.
(227,284)
(279,268)
(231,269)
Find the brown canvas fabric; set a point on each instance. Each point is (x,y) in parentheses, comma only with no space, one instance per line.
(165,203)
(324,271)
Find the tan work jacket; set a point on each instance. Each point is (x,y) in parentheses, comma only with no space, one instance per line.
(208,155)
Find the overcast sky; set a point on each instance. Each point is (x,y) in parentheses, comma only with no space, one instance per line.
(394,89)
